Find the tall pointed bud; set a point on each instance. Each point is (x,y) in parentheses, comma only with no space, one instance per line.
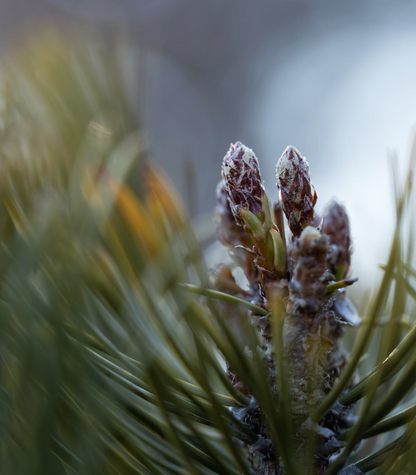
(297,193)
(250,207)
(336,225)
(242,179)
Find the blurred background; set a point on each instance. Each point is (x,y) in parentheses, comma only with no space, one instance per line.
(335,79)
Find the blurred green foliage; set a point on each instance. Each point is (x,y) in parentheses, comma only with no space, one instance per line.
(108,366)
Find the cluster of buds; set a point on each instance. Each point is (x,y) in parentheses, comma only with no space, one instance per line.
(300,271)
(250,207)
(245,220)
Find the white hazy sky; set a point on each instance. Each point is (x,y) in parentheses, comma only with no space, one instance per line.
(345,103)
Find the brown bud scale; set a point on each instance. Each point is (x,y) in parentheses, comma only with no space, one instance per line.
(228,232)
(297,194)
(241,174)
(336,225)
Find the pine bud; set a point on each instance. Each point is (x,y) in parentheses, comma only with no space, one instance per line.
(241,173)
(336,225)
(250,206)
(297,193)
(309,279)
(234,236)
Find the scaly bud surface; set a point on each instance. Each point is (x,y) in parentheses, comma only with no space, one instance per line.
(297,194)
(250,207)
(336,225)
(232,235)
(228,232)
(242,179)
(309,279)
(306,346)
